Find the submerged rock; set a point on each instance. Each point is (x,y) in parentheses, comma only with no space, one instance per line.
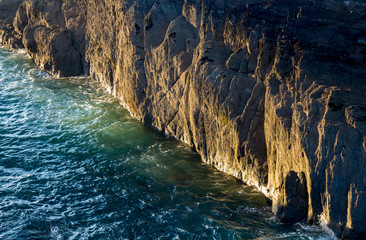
(272,92)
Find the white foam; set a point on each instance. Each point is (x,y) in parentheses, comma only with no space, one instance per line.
(323,223)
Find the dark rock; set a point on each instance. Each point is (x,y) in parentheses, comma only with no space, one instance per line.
(8,36)
(53,50)
(293,205)
(148,24)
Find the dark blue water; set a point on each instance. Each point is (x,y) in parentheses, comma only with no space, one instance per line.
(74,165)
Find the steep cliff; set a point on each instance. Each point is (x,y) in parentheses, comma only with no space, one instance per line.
(272,92)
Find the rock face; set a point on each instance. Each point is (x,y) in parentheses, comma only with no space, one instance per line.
(53,34)
(8,36)
(272,92)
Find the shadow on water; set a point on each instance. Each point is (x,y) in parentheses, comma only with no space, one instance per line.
(75,165)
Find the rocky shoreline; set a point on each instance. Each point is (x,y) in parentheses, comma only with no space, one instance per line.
(271,92)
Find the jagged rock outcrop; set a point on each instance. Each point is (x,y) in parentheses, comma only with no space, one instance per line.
(53,33)
(8,36)
(272,92)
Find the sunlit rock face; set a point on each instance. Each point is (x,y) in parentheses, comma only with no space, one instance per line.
(170,63)
(272,92)
(53,33)
(8,36)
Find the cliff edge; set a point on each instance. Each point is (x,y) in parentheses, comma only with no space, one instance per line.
(272,92)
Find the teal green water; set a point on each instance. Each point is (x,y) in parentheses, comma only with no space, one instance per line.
(75,165)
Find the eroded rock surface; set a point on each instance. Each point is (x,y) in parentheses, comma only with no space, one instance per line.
(272,92)
(53,34)
(8,36)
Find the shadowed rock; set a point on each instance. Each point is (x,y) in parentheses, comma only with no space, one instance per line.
(293,204)
(8,36)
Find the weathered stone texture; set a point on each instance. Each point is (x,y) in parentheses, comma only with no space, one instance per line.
(272,92)
(53,33)
(8,36)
